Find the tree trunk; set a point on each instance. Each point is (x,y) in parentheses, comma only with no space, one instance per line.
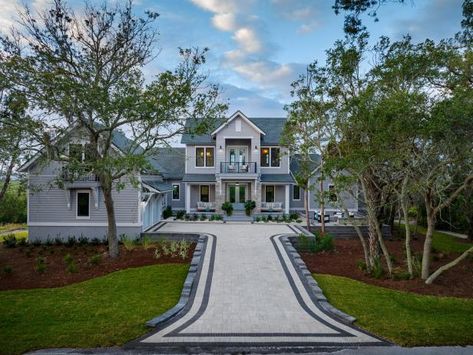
(6,181)
(448,266)
(362,241)
(112,237)
(387,257)
(322,206)
(470,228)
(405,211)
(428,235)
(306,206)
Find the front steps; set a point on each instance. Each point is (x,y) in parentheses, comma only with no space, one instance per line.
(238,216)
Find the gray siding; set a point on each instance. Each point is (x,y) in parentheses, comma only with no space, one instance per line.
(348,201)
(177,204)
(297,204)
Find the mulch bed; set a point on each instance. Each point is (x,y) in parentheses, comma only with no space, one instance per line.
(23,262)
(457,282)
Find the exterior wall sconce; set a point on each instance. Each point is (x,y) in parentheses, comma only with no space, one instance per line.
(256,147)
(221,148)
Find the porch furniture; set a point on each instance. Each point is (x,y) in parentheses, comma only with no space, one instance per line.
(271,206)
(206,206)
(318,217)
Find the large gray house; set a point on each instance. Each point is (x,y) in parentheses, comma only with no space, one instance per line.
(241,159)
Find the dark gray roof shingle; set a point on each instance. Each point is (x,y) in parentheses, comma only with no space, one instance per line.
(271,126)
(169,162)
(158,185)
(287,178)
(199,178)
(296,161)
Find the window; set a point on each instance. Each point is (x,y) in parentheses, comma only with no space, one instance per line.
(176,192)
(332,193)
(269,193)
(83,204)
(270,157)
(296,192)
(204,193)
(209,157)
(204,157)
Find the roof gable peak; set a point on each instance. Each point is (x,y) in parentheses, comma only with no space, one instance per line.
(240,114)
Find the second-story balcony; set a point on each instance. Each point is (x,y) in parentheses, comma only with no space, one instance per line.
(76,180)
(238,168)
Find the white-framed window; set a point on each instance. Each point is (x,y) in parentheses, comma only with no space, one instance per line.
(204,157)
(269,192)
(296,193)
(176,192)
(204,193)
(270,157)
(80,152)
(332,193)
(83,204)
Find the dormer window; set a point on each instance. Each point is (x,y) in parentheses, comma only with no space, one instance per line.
(80,152)
(270,157)
(204,157)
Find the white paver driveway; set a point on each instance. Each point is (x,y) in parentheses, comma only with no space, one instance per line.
(249,292)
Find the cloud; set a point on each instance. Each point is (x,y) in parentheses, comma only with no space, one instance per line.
(224,21)
(11,9)
(305,12)
(248,40)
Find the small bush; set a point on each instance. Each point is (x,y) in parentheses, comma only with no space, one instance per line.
(83,240)
(72,267)
(41,264)
(270,218)
(95,241)
(9,241)
(228,208)
(187,217)
(203,217)
(49,242)
(293,216)
(399,274)
(195,217)
(180,214)
(146,242)
(378,271)
(250,205)
(71,241)
(95,259)
(22,242)
(127,242)
(264,219)
(258,219)
(157,253)
(58,241)
(299,220)
(7,269)
(68,258)
(167,212)
(325,243)
(361,265)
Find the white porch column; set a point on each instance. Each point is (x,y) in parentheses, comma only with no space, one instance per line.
(188,198)
(286,204)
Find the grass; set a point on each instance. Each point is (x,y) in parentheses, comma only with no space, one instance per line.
(104,311)
(12,226)
(404,318)
(442,242)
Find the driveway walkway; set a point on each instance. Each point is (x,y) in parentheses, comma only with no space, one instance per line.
(249,293)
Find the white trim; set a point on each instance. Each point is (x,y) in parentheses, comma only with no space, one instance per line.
(270,148)
(300,190)
(77,203)
(232,117)
(172,191)
(80,224)
(205,157)
(287,199)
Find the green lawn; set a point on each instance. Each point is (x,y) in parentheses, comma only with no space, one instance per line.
(105,311)
(404,318)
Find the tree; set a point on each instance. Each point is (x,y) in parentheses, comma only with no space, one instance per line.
(85,71)
(306,133)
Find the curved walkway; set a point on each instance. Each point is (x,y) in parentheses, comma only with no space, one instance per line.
(250,294)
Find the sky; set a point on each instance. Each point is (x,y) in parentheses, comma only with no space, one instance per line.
(258,47)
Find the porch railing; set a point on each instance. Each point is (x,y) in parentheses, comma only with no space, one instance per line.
(238,168)
(73,176)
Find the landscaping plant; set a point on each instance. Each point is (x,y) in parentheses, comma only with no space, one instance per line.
(228,208)
(250,205)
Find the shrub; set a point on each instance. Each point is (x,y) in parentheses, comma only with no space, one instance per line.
(203,217)
(167,212)
(49,242)
(258,219)
(270,218)
(299,220)
(41,264)
(378,271)
(95,259)
(228,208)
(7,269)
(324,243)
(58,241)
(95,241)
(83,240)
(71,241)
(361,264)
(293,216)
(9,241)
(264,218)
(187,217)
(22,242)
(127,242)
(72,267)
(157,253)
(195,217)
(250,205)
(68,258)
(183,247)
(146,242)
(218,217)
(180,214)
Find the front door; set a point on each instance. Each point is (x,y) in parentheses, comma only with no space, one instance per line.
(237,196)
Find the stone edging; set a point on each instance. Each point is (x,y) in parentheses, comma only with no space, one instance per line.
(194,270)
(308,279)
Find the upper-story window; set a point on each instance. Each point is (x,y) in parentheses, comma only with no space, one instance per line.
(270,157)
(204,156)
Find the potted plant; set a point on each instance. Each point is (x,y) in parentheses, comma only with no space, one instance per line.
(228,208)
(249,207)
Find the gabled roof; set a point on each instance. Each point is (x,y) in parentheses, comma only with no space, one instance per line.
(157,185)
(283,178)
(232,117)
(271,126)
(296,162)
(169,162)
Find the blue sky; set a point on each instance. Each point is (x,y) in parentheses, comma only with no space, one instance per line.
(258,47)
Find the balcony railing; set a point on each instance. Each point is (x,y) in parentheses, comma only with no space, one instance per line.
(238,168)
(74,176)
